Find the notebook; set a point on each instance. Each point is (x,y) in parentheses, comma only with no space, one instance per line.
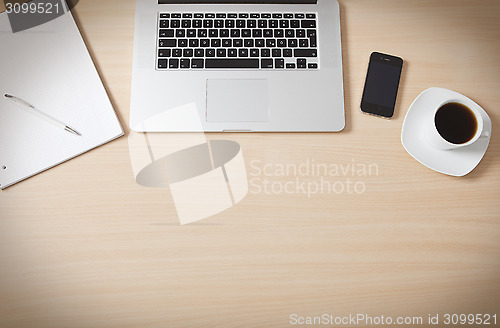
(49,67)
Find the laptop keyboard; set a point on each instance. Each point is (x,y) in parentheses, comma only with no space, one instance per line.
(282,41)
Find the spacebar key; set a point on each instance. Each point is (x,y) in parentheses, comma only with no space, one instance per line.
(231,63)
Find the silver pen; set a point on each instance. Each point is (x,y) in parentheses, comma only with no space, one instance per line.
(31,109)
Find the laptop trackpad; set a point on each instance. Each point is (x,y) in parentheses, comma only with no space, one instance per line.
(237,101)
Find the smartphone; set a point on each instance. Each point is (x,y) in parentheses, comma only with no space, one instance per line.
(381,85)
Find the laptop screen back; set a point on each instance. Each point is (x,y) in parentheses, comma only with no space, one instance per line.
(162,2)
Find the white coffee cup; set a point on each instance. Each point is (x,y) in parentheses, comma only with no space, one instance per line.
(436,139)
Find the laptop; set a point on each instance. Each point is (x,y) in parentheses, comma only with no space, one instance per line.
(239,65)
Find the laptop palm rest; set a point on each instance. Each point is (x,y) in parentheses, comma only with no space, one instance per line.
(237,101)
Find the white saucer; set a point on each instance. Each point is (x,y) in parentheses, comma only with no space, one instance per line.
(456,162)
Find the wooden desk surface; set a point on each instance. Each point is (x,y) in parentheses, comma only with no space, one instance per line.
(82,245)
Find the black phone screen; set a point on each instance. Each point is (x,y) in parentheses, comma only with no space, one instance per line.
(382,83)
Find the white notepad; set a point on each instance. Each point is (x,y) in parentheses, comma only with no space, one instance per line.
(49,67)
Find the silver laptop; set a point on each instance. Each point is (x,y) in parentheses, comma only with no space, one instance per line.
(237,66)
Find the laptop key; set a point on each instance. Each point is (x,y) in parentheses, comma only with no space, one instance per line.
(240,23)
(185,63)
(164,23)
(199,52)
(210,52)
(188,53)
(162,63)
(243,53)
(313,65)
(290,65)
(313,42)
(215,43)
(173,63)
(176,15)
(311,33)
(256,33)
(197,63)
(180,33)
(232,63)
(305,53)
(175,23)
(232,53)
(287,52)
(270,43)
(164,52)
(202,33)
(301,63)
(308,24)
(167,33)
(167,43)
(284,24)
(177,53)
(235,33)
(221,52)
(279,63)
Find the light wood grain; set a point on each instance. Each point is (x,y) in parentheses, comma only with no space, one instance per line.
(82,245)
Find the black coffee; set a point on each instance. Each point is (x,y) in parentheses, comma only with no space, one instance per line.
(456,123)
